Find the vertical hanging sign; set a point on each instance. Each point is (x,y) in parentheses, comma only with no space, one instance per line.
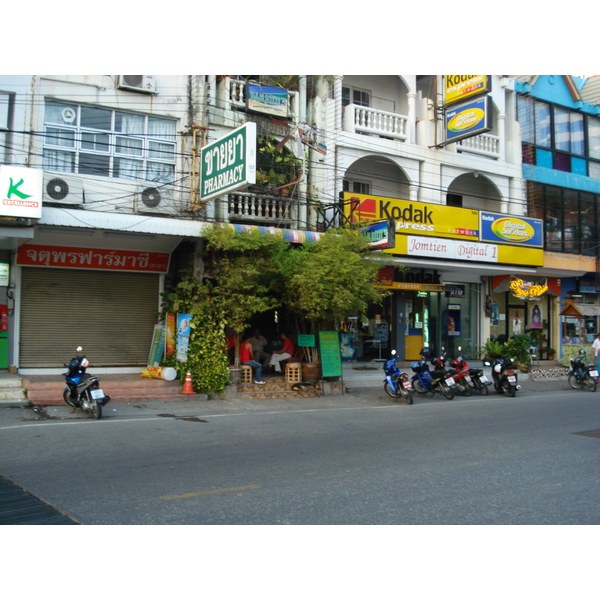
(229,163)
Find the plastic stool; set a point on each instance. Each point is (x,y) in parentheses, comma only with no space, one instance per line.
(293,373)
(246,374)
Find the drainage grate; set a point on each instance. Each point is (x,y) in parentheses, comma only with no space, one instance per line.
(17,507)
(595,433)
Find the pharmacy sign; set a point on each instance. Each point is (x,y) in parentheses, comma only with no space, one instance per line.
(229,163)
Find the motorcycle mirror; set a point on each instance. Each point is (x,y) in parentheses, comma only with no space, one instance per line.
(487,363)
(460,348)
(393,353)
(79,348)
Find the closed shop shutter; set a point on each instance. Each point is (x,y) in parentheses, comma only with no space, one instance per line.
(111,315)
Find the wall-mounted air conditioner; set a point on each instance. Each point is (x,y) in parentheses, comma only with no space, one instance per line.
(137,83)
(156,200)
(62,190)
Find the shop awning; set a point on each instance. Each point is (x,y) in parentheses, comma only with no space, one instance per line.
(296,236)
(577,309)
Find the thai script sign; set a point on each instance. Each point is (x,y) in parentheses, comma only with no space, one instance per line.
(269,99)
(229,163)
(468,120)
(459,87)
(21,192)
(507,229)
(92,258)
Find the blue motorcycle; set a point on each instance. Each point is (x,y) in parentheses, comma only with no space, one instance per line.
(396,384)
(426,381)
(83,391)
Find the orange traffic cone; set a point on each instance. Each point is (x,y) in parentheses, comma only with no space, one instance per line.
(187,386)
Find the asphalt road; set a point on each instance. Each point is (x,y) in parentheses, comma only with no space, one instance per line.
(355,459)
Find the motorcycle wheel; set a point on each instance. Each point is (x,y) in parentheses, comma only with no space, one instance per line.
(96,409)
(446,391)
(67,398)
(498,388)
(574,383)
(483,389)
(406,396)
(509,389)
(590,383)
(389,391)
(464,388)
(418,385)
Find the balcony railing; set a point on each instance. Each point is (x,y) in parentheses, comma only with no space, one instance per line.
(487,145)
(257,208)
(234,96)
(363,119)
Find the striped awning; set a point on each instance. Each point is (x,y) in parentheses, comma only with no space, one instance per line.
(295,236)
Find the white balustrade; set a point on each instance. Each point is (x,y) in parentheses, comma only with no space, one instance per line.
(255,207)
(487,145)
(364,119)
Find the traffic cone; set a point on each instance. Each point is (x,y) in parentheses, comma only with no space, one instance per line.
(187,386)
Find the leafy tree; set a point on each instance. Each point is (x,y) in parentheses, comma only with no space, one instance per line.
(329,280)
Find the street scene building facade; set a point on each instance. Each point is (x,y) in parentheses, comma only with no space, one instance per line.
(472,177)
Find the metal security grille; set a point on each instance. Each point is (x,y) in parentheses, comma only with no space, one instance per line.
(111,315)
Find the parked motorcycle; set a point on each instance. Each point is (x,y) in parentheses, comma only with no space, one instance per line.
(582,375)
(425,380)
(504,375)
(459,372)
(396,384)
(83,390)
(475,377)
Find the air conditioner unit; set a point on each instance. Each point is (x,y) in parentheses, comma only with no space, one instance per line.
(157,200)
(62,190)
(138,83)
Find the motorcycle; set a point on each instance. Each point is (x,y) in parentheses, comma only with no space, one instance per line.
(425,381)
(396,384)
(459,372)
(475,377)
(83,390)
(581,375)
(504,375)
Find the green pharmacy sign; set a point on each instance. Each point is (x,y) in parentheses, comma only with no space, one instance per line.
(229,163)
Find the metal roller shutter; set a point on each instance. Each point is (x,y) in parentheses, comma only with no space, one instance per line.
(111,315)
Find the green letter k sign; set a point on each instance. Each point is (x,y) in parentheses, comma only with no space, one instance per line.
(13,189)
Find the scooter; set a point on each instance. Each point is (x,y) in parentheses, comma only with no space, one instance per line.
(476,379)
(83,391)
(459,372)
(396,384)
(504,375)
(425,381)
(581,375)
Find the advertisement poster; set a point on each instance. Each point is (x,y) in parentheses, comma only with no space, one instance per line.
(157,349)
(183,336)
(170,332)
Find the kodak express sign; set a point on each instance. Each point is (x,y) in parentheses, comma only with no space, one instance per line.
(440,231)
(461,87)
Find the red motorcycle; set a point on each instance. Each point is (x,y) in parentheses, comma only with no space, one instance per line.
(457,375)
(474,377)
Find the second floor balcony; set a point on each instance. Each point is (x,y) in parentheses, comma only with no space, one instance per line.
(367,120)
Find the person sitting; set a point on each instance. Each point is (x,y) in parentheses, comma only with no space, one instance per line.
(287,351)
(246,359)
(259,343)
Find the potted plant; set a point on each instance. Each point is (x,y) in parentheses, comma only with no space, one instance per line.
(551,353)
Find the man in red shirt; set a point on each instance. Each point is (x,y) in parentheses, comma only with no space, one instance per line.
(278,355)
(246,359)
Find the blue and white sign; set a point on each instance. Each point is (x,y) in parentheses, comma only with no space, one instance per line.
(468,120)
(508,229)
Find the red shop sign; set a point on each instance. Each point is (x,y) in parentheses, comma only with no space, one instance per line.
(92,258)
